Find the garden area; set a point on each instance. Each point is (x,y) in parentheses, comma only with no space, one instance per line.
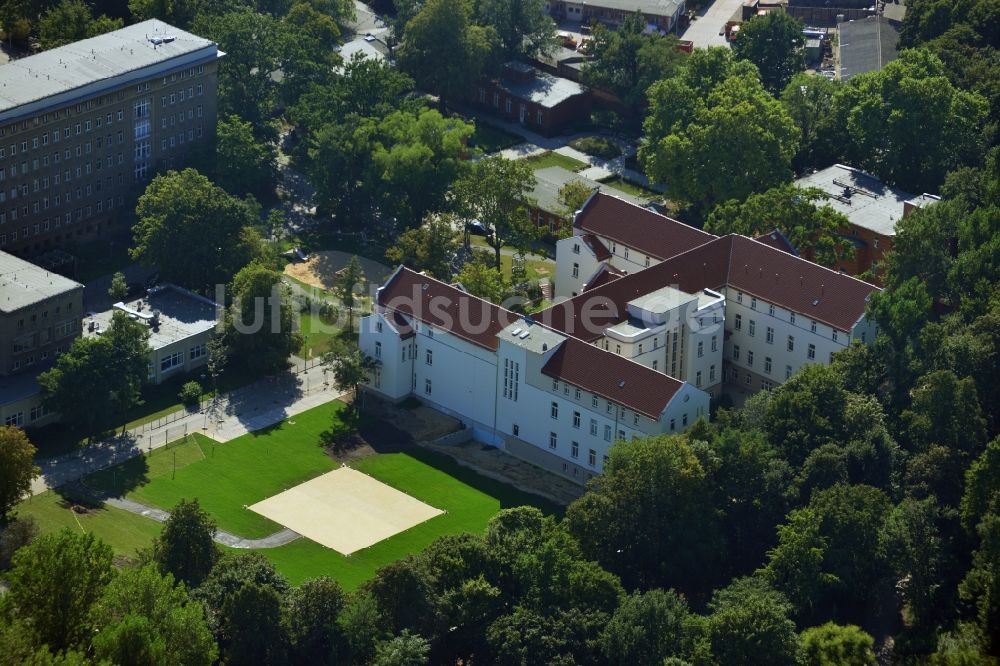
(597,146)
(552,158)
(227,478)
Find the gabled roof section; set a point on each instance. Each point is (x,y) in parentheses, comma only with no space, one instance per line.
(778,241)
(604,274)
(738,262)
(600,250)
(822,294)
(445,307)
(639,228)
(612,377)
(587,315)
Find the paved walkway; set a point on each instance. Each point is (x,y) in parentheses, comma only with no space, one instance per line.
(279,538)
(704,30)
(250,408)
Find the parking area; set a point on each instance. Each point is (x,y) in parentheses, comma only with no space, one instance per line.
(710,21)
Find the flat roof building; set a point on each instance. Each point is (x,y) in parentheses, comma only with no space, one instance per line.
(180,325)
(873,209)
(84,126)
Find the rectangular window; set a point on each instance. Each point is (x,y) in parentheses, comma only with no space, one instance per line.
(811,353)
(697,379)
(429,357)
(576,419)
(736,352)
(592,457)
(812,326)
(171,361)
(715,343)
(554,410)
(770,309)
(753,302)
(607,433)
(378,350)
(770,335)
(767,364)
(553,441)
(427,386)
(574,450)
(835,336)
(753,328)
(739,322)
(576,270)
(711,374)
(701,349)
(198,351)
(791,343)
(750,357)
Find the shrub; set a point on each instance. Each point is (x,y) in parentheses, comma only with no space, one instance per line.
(596,146)
(190,393)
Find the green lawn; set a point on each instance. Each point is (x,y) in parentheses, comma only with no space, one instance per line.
(632,188)
(318,334)
(490,138)
(536,268)
(227,477)
(551,158)
(126,532)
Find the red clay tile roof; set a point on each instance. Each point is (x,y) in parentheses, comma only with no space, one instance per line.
(605,274)
(443,306)
(612,377)
(778,241)
(822,294)
(644,230)
(735,261)
(599,249)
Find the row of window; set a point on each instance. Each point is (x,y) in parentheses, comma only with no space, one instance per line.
(68,218)
(813,324)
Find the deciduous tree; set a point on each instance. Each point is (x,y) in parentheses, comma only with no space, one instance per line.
(773,42)
(17,468)
(185,548)
(429,247)
(70,21)
(261,322)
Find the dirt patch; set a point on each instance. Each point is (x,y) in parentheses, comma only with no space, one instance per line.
(322,267)
(376,436)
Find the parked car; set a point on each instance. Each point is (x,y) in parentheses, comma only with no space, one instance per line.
(567,40)
(475,227)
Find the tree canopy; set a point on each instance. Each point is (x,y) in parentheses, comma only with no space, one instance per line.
(774,43)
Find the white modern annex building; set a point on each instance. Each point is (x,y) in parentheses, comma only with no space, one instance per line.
(539,394)
(653,319)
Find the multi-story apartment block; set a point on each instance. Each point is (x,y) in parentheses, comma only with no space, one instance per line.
(40,314)
(539,394)
(710,311)
(84,126)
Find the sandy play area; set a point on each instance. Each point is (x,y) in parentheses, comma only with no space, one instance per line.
(345,510)
(321,269)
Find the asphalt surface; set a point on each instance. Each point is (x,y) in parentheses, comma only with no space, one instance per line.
(704,30)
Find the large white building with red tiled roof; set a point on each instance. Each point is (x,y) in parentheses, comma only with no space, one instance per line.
(654,319)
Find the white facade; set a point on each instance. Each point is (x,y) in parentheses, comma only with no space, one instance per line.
(505,396)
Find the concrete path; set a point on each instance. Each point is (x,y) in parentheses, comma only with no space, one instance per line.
(279,538)
(250,408)
(704,30)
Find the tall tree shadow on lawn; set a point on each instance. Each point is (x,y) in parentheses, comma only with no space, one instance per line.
(121,479)
(98,455)
(353,434)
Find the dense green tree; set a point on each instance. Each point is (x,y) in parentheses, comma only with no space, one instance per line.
(180,206)
(185,548)
(310,620)
(234,570)
(307,41)
(180,13)
(253,45)
(713,133)
(480,278)
(351,367)
(17,468)
(981,585)
(402,591)
(808,99)
(142,612)
(54,582)
(360,624)
(118,291)
(795,565)
(444,51)
(429,247)
(117,361)
(651,519)
(907,123)
(647,628)
(916,553)
(945,410)
(774,43)
(261,326)
(982,488)
(523,27)
(18,532)
(627,60)
(749,625)
(495,191)
(800,214)
(406,649)
(244,164)
(806,412)
(837,645)
(70,21)
(251,625)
